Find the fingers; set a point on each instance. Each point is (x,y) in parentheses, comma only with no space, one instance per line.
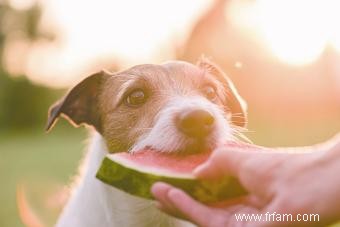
(226,159)
(210,169)
(160,191)
(185,206)
(176,203)
(248,200)
(255,168)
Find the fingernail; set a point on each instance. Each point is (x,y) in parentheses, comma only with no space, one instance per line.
(200,169)
(159,186)
(175,195)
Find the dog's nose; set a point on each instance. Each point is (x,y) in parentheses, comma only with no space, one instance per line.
(195,123)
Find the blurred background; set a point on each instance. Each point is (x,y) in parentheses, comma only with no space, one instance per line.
(283,56)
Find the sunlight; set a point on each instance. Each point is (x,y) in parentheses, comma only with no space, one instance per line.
(336,39)
(22,5)
(128,32)
(296,32)
(92,34)
(335,20)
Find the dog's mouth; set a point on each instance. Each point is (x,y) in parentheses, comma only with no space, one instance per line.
(198,146)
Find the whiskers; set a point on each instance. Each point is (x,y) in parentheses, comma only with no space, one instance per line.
(238,134)
(240,119)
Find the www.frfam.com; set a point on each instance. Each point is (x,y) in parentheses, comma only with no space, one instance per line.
(272,217)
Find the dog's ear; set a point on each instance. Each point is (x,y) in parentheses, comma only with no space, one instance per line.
(234,102)
(80,104)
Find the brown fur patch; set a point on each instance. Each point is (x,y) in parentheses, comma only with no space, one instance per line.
(122,125)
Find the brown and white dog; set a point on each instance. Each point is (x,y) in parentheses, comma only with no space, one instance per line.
(172,107)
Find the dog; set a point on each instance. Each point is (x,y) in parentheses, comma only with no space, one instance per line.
(172,107)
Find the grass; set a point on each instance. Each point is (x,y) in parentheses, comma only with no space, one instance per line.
(41,161)
(35,158)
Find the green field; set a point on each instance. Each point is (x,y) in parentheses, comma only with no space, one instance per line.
(41,162)
(34,159)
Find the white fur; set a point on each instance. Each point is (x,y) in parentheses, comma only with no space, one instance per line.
(95,204)
(165,137)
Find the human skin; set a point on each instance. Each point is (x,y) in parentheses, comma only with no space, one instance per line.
(283,180)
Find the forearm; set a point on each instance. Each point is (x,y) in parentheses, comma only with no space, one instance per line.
(319,173)
(332,146)
(330,162)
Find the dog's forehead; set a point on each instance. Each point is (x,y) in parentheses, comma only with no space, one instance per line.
(170,77)
(167,73)
(183,68)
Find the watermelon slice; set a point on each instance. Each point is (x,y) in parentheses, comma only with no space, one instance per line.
(136,173)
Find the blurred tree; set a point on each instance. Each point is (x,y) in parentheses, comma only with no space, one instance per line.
(22,104)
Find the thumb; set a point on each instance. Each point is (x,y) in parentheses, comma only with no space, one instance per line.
(227,160)
(253,167)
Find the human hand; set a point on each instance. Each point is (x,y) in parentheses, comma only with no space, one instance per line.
(277,181)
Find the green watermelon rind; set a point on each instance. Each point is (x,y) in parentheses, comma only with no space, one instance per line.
(138,183)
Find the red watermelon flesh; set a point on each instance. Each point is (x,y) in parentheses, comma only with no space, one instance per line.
(171,163)
(136,172)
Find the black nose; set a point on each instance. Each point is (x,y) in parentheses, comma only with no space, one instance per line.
(195,123)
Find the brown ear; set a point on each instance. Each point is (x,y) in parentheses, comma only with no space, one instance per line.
(234,102)
(80,104)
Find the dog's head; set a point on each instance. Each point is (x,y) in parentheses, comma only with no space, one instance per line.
(175,106)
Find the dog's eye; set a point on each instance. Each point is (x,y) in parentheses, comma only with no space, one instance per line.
(136,98)
(209,92)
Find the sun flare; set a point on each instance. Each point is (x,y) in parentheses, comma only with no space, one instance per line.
(93,34)
(296,32)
